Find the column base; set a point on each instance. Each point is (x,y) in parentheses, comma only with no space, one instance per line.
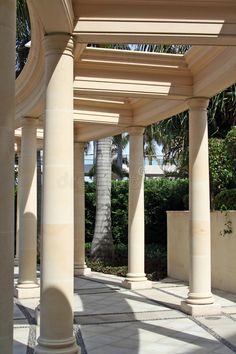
(136,285)
(82,271)
(200,310)
(67,346)
(27,291)
(37,315)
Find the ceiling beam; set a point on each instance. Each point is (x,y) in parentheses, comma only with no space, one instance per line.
(167,22)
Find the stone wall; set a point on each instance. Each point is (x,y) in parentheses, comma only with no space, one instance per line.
(223,246)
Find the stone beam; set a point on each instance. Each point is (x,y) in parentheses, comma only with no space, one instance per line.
(210,22)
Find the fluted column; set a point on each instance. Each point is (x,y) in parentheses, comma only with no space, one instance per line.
(200,299)
(27,286)
(7,112)
(80,267)
(136,277)
(57,249)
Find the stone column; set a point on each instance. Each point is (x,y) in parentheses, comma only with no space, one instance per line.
(80,267)
(16,259)
(27,286)
(136,278)
(200,300)
(7,116)
(57,248)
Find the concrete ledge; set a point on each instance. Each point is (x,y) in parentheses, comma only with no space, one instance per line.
(136,285)
(200,310)
(27,293)
(82,271)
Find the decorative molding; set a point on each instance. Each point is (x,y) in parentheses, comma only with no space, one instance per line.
(56,16)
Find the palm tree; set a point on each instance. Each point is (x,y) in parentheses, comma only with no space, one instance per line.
(119,142)
(102,244)
(22,35)
(172,133)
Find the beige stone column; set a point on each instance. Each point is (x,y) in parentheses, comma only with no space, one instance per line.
(7,115)
(57,250)
(136,278)
(200,300)
(27,286)
(80,267)
(16,259)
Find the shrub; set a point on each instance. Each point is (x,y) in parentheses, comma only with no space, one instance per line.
(119,211)
(90,210)
(160,195)
(220,166)
(155,261)
(226,200)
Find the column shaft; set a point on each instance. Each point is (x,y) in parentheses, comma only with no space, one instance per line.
(17,214)
(57,251)
(200,235)
(27,282)
(7,108)
(80,267)
(136,277)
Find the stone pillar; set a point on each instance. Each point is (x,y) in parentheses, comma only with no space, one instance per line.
(16,259)
(57,246)
(200,300)
(7,117)
(27,286)
(136,278)
(80,267)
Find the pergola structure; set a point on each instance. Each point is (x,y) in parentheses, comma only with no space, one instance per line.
(78,93)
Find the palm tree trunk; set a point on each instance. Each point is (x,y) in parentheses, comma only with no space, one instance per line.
(102,244)
(119,160)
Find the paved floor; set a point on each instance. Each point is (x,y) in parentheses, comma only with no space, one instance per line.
(112,320)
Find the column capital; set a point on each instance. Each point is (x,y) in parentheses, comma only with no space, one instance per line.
(59,43)
(136,130)
(76,136)
(198,103)
(29,121)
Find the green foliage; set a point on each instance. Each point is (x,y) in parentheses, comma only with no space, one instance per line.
(23,35)
(226,200)
(90,210)
(155,261)
(119,211)
(230,142)
(222,112)
(220,165)
(160,195)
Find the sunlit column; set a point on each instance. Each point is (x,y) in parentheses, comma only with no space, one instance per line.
(27,286)
(80,267)
(136,277)
(7,116)
(57,249)
(200,299)
(16,259)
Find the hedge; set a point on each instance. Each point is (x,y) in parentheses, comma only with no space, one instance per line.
(160,195)
(226,200)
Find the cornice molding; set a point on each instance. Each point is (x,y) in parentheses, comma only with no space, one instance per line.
(56,16)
